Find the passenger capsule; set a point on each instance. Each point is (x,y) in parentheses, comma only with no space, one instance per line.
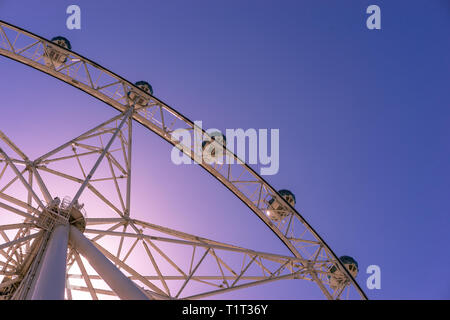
(54,57)
(209,147)
(336,277)
(137,97)
(276,210)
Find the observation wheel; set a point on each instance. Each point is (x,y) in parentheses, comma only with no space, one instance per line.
(53,248)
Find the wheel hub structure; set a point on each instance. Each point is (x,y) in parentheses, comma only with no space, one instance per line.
(51,249)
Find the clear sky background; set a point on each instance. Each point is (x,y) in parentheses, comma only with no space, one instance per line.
(364,119)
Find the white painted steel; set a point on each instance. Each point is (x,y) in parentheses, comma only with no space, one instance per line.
(116,280)
(312,257)
(50,283)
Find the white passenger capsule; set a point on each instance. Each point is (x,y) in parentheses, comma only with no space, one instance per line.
(137,97)
(336,277)
(211,148)
(54,57)
(276,210)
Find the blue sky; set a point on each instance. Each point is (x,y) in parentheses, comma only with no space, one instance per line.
(363,117)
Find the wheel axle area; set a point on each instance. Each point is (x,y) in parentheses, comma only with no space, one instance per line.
(60,212)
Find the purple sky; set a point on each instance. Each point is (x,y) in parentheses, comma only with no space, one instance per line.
(363,118)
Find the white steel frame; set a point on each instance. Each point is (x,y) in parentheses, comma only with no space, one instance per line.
(311,257)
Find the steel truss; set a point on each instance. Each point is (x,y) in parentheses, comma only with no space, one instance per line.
(108,147)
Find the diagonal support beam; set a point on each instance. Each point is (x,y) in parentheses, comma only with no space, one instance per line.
(80,137)
(13,146)
(20,240)
(127,114)
(41,184)
(21,178)
(16,211)
(116,280)
(192,273)
(85,275)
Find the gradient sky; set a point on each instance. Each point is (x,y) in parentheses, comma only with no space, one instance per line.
(363,117)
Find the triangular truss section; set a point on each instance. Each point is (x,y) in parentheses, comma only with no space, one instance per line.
(177,265)
(98,160)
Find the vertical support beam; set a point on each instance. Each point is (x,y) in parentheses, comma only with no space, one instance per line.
(116,280)
(130,145)
(51,281)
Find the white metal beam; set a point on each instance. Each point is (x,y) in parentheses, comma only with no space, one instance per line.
(51,280)
(116,280)
(126,115)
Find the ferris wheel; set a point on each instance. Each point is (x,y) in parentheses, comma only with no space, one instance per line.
(52,248)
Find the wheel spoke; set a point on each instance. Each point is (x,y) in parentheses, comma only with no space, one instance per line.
(13,146)
(17,241)
(217,257)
